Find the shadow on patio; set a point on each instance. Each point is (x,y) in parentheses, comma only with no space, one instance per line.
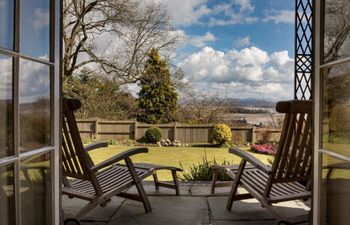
(195,206)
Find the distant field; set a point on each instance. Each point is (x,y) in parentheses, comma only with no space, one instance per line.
(264,118)
(172,156)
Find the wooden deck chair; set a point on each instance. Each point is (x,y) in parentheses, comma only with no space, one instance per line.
(290,174)
(98,183)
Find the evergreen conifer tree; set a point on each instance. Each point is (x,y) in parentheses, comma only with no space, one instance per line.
(157,100)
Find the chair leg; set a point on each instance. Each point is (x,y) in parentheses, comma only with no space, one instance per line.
(87,208)
(176,182)
(71,221)
(235,184)
(214,179)
(272,211)
(155,178)
(138,184)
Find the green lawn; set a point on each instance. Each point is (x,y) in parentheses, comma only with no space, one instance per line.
(172,156)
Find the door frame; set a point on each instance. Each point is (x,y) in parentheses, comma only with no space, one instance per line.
(318,95)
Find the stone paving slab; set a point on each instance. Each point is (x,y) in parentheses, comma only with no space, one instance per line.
(150,189)
(241,210)
(205,190)
(186,189)
(195,206)
(167,210)
(251,210)
(258,222)
(92,223)
(99,214)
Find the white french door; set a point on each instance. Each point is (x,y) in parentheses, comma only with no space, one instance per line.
(332,125)
(29,112)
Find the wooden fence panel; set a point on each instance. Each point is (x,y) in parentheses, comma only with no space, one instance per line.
(87,129)
(241,135)
(167,130)
(193,134)
(270,134)
(115,130)
(103,130)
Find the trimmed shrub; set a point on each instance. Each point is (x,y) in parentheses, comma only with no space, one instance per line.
(153,135)
(221,134)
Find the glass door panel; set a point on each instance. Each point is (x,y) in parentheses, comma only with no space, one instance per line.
(335,191)
(7,196)
(336,109)
(35,28)
(7,23)
(29,107)
(6,107)
(35,188)
(336,40)
(34,100)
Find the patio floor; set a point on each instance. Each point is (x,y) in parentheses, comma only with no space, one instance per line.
(195,206)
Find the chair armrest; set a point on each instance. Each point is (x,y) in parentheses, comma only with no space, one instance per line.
(119,157)
(342,166)
(95,145)
(250,159)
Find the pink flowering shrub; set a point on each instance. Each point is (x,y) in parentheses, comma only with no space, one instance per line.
(263,149)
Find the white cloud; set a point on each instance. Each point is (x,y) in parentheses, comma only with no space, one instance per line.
(41,18)
(281,58)
(245,5)
(2,3)
(235,12)
(250,72)
(242,41)
(280,16)
(201,41)
(187,12)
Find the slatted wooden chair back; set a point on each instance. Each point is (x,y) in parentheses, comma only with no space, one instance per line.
(76,162)
(293,159)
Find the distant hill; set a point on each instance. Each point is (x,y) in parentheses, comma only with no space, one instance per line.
(252,102)
(237,103)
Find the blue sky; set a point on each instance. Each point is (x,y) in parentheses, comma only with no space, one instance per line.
(270,33)
(236,48)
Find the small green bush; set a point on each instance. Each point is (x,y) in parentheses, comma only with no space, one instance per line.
(153,135)
(221,134)
(87,141)
(112,142)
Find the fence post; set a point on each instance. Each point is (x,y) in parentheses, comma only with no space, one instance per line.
(253,134)
(174,132)
(135,130)
(96,130)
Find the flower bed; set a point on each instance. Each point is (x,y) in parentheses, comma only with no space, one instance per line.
(263,149)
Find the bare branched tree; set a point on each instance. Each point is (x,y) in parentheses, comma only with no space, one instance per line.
(113,37)
(203,109)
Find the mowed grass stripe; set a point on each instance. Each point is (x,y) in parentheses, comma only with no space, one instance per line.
(172,156)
